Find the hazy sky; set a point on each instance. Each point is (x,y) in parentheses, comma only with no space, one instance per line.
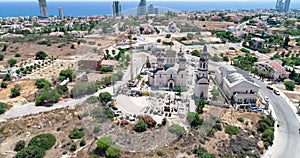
(126,0)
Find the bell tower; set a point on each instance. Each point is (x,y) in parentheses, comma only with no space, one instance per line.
(202,78)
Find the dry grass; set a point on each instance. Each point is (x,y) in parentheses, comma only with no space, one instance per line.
(27,92)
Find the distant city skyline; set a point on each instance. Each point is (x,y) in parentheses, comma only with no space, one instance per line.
(100,7)
(116,8)
(43,8)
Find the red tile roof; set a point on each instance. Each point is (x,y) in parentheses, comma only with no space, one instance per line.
(276,66)
(109,62)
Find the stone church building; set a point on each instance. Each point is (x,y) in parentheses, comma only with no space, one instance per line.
(170,72)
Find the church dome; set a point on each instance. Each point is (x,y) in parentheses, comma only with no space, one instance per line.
(171,53)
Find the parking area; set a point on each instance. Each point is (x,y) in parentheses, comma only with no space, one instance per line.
(158,105)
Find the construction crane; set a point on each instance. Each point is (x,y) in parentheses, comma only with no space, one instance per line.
(127,33)
(131,56)
(120,37)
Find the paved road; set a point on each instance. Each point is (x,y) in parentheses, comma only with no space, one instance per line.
(30,108)
(287,137)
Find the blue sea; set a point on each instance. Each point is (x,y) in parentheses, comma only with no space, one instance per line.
(14,9)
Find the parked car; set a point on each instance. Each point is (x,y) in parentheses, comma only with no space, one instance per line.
(253,108)
(259,108)
(270,87)
(267,99)
(276,92)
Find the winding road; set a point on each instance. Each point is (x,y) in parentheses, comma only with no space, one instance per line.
(287,136)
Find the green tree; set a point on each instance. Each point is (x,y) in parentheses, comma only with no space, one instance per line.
(31,152)
(105,97)
(6,77)
(20,145)
(104,143)
(82,143)
(194,119)
(62,90)
(225,58)
(76,133)
(268,136)
(46,96)
(286,42)
(12,62)
(3,108)
(15,91)
(196,53)
(42,83)
(160,153)
(4,48)
(44,141)
(148,64)
(66,74)
(3,85)
(17,55)
(140,126)
(200,105)
(40,55)
(168,36)
(73,147)
(106,69)
(289,85)
(113,152)
(1,57)
(232,130)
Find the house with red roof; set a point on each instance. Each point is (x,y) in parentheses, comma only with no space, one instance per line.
(272,69)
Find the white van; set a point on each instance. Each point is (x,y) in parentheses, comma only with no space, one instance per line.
(276,92)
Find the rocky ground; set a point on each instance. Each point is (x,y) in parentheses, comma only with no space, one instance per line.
(61,122)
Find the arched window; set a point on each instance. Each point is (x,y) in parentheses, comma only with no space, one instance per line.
(201,95)
(204,65)
(171,76)
(181,75)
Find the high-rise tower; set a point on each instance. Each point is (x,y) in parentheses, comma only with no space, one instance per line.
(60,13)
(287,5)
(152,9)
(116,9)
(43,8)
(283,6)
(141,9)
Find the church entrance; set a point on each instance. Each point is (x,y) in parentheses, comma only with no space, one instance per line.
(171,85)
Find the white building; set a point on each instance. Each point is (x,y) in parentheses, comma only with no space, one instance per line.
(170,72)
(202,78)
(272,68)
(237,85)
